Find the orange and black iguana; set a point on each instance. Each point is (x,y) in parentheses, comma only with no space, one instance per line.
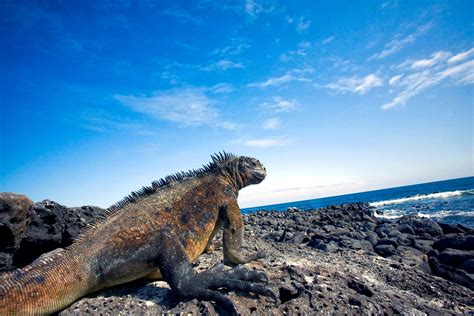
(156,232)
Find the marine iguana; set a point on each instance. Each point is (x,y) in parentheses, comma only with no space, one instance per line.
(156,232)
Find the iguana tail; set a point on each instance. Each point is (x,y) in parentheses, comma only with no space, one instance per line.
(47,285)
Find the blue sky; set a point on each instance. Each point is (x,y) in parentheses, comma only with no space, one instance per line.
(101,98)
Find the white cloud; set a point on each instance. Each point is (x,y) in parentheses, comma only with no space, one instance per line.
(222,88)
(328,40)
(461,56)
(292,75)
(238,46)
(278,104)
(303,24)
(302,50)
(183,106)
(428,62)
(393,81)
(273,123)
(264,142)
(430,72)
(255,7)
(223,64)
(397,44)
(360,85)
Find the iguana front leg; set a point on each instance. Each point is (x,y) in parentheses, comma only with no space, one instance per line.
(233,236)
(178,272)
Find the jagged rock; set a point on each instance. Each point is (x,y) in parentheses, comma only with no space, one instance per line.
(451,273)
(385,250)
(422,244)
(345,277)
(14,220)
(463,242)
(324,246)
(407,229)
(38,228)
(454,257)
(467,266)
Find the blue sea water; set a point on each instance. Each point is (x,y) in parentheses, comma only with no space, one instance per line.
(449,201)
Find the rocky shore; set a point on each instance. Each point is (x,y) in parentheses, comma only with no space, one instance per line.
(338,259)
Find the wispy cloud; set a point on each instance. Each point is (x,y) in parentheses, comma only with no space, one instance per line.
(102,122)
(183,106)
(256,7)
(359,85)
(222,88)
(278,104)
(393,81)
(461,56)
(398,43)
(433,60)
(302,50)
(272,123)
(389,4)
(236,48)
(265,142)
(429,72)
(289,76)
(328,40)
(303,24)
(182,16)
(223,64)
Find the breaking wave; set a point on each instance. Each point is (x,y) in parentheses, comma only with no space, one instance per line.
(397,213)
(439,195)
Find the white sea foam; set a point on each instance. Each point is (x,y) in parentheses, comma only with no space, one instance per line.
(390,213)
(444,213)
(397,213)
(440,195)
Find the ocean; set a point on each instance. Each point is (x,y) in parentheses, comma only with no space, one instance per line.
(449,201)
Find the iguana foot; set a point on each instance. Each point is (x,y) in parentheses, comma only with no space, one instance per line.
(203,285)
(234,259)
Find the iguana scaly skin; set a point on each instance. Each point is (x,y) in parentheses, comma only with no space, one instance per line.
(155,232)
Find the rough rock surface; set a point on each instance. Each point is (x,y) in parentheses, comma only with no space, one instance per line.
(339,259)
(28,230)
(14,219)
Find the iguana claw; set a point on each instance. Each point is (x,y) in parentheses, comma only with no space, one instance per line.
(204,285)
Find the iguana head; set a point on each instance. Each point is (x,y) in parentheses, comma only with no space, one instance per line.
(245,171)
